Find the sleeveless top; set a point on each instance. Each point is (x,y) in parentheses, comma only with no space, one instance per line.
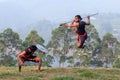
(81,28)
(28,54)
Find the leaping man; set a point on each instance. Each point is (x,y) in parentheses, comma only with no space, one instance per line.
(79,26)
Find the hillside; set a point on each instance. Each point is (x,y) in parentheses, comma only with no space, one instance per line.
(108,23)
(30,73)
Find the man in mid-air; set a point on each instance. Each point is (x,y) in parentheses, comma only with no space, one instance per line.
(79,26)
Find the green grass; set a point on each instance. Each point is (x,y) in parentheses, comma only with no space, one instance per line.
(64,78)
(31,78)
(2,75)
(90,74)
(30,73)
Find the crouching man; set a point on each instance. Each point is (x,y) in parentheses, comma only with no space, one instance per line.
(27,55)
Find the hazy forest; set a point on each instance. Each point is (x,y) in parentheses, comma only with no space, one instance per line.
(102,48)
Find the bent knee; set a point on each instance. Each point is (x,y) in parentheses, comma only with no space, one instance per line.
(38,59)
(18,57)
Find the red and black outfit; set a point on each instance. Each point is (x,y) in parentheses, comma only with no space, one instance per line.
(82,35)
(27,55)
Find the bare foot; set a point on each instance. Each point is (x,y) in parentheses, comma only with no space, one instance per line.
(38,71)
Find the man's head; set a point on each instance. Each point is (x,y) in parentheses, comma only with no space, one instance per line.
(78,18)
(32,48)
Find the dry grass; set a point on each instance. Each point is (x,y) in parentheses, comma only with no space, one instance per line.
(30,73)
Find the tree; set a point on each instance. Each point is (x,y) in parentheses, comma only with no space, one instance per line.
(109,43)
(70,60)
(64,41)
(92,48)
(59,44)
(116,51)
(2,43)
(32,39)
(9,44)
(12,39)
(116,63)
(8,60)
(47,60)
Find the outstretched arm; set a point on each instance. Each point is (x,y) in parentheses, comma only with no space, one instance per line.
(71,25)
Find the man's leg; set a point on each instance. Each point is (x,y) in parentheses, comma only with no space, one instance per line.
(39,64)
(19,67)
(36,59)
(81,40)
(80,44)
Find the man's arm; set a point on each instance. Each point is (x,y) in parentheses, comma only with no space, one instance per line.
(88,22)
(71,25)
(20,62)
(23,53)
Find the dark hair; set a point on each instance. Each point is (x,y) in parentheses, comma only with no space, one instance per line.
(33,48)
(78,16)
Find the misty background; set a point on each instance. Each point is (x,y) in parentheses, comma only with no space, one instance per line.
(45,15)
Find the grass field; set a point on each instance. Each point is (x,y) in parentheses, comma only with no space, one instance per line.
(30,73)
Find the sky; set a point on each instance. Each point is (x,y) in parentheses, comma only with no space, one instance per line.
(56,9)
(17,13)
